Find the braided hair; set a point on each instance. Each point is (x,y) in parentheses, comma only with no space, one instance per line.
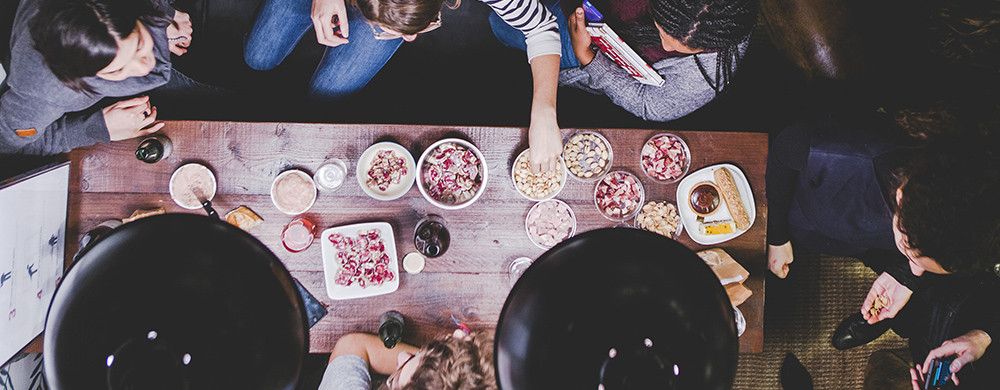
(718,26)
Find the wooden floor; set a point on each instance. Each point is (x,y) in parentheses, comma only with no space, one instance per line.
(469,281)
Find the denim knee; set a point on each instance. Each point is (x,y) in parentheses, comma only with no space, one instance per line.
(260,57)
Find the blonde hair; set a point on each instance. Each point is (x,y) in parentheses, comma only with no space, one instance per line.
(456,363)
(403,16)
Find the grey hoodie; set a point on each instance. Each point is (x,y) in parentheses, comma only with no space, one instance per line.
(41,115)
(684,91)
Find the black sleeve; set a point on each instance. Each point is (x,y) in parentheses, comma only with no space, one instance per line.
(990,322)
(786,158)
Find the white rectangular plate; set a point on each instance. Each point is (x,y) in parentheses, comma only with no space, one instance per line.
(690,219)
(331,266)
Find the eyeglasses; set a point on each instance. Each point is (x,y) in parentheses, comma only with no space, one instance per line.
(383,34)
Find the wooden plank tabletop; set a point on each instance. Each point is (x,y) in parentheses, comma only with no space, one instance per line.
(469,281)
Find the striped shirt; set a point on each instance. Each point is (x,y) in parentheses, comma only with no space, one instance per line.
(541,33)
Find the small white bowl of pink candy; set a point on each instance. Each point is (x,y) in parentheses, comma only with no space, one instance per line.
(549,222)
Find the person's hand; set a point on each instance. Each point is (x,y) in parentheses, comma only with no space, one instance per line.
(779,257)
(966,349)
(890,295)
(544,142)
(131,118)
(329,19)
(179,33)
(580,38)
(916,379)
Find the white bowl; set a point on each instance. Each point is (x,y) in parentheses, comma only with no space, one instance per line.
(210,194)
(305,176)
(394,191)
(562,184)
(482,171)
(572,215)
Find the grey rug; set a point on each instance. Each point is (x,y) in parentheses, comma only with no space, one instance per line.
(800,316)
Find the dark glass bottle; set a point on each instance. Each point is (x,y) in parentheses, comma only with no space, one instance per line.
(390,328)
(431,237)
(94,235)
(153,149)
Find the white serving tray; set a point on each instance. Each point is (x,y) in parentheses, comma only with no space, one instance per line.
(690,219)
(331,265)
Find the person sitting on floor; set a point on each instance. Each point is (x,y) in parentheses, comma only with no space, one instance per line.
(68,56)
(696,45)
(456,361)
(362,35)
(925,218)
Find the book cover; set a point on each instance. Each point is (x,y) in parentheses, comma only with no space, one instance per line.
(618,51)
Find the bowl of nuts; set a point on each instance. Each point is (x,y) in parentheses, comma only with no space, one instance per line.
(619,195)
(661,218)
(588,155)
(537,186)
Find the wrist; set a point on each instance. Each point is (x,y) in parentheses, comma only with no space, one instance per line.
(585,56)
(981,337)
(541,111)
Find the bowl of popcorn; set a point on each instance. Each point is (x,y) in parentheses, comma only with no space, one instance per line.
(661,218)
(587,155)
(537,186)
(619,195)
(549,222)
(386,171)
(452,174)
(665,158)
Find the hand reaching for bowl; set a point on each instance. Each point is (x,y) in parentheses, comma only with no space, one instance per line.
(545,142)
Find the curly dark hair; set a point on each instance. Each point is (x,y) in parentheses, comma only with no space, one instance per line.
(968,31)
(456,363)
(950,206)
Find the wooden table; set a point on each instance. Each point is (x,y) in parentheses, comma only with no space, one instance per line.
(469,281)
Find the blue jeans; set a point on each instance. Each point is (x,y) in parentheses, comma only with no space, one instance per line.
(344,69)
(514,38)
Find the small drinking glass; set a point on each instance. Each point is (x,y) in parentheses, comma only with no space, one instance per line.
(516,268)
(331,175)
(298,235)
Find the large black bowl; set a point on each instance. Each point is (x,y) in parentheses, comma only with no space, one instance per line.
(176,302)
(620,309)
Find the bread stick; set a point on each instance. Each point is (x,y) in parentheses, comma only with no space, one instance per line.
(731,195)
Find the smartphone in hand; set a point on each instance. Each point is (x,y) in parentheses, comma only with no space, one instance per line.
(939,374)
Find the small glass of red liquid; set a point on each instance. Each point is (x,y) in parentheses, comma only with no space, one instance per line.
(298,235)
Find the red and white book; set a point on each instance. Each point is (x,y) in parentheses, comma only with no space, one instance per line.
(618,51)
